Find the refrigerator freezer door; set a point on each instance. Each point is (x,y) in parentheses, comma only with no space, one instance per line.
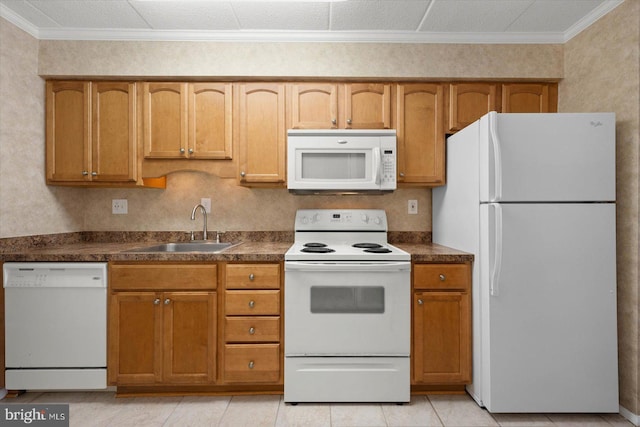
(549,339)
(555,157)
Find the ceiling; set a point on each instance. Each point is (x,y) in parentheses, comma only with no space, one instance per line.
(405,21)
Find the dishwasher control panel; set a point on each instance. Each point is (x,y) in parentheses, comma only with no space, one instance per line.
(54,275)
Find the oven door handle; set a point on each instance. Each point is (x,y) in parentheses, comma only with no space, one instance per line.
(347,266)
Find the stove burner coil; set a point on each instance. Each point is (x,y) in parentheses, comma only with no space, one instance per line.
(314,245)
(378,250)
(367,245)
(317,250)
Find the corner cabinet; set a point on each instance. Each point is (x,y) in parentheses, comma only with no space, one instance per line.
(420,131)
(162,324)
(261,133)
(441,324)
(91,132)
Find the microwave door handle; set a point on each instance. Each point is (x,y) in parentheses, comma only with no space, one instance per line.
(378,165)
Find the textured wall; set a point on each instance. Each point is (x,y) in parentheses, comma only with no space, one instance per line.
(602,73)
(27,205)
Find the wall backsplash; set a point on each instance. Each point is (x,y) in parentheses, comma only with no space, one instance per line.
(234,207)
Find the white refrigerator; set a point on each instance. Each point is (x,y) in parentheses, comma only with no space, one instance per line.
(532,196)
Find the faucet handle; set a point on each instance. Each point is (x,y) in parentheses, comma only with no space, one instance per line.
(192,236)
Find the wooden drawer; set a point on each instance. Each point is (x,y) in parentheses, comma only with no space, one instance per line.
(442,276)
(252,363)
(142,276)
(252,303)
(253,276)
(252,329)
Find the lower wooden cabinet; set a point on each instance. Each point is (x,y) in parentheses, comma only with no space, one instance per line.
(162,336)
(441,348)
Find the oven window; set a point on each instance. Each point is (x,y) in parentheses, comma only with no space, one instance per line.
(328,166)
(347,299)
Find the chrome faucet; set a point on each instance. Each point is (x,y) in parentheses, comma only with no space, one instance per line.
(204,215)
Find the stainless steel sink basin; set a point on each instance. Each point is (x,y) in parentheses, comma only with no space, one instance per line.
(195,246)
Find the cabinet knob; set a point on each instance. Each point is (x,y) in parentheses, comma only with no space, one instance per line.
(442,277)
(420,302)
(251,277)
(242,174)
(252,330)
(94,173)
(402,174)
(334,121)
(348,121)
(156,301)
(252,304)
(251,364)
(182,151)
(167,301)
(85,173)
(190,150)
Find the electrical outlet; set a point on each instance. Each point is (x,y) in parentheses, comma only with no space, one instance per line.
(206,202)
(119,207)
(412,208)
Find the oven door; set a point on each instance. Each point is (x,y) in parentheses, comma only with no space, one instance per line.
(347,308)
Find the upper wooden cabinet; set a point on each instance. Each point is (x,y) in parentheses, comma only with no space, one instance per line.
(467,102)
(529,98)
(91,132)
(339,106)
(420,130)
(261,133)
(187,120)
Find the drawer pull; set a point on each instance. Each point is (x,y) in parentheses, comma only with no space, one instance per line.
(420,302)
(252,330)
(252,304)
(251,277)
(167,301)
(251,364)
(442,277)
(156,301)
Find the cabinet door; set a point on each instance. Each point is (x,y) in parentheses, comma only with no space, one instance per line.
(189,337)
(442,338)
(68,131)
(165,120)
(210,121)
(135,338)
(525,98)
(420,131)
(113,136)
(261,132)
(468,102)
(314,105)
(367,106)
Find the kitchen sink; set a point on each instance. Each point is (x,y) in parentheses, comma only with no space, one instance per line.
(195,246)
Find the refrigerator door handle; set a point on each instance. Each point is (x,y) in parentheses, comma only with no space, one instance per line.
(497,157)
(497,255)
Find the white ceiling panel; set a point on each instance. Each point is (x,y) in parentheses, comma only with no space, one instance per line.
(399,21)
(473,16)
(90,14)
(189,15)
(377,15)
(553,15)
(283,16)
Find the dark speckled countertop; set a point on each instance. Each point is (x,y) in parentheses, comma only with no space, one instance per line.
(255,247)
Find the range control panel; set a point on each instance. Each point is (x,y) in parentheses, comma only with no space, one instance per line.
(341,220)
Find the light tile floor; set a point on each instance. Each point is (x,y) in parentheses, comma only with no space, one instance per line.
(104,409)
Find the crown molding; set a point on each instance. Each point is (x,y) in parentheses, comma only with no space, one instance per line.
(590,18)
(19,21)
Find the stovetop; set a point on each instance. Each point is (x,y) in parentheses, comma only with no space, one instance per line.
(342,235)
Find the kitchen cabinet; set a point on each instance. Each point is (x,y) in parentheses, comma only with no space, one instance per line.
(529,98)
(91,132)
(252,324)
(467,102)
(420,132)
(339,106)
(261,133)
(441,324)
(162,324)
(187,120)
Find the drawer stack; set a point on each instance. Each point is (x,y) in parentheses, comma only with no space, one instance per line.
(252,323)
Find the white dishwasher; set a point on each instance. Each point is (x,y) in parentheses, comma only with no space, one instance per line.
(55,326)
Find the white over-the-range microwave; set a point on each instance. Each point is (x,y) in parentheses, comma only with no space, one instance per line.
(341,161)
